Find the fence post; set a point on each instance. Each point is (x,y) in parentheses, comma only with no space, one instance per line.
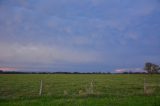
(91,87)
(41,87)
(145,86)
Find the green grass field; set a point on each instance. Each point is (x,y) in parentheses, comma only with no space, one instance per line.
(79,90)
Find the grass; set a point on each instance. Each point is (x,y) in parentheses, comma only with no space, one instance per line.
(73,90)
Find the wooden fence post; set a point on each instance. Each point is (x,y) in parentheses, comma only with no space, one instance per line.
(41,87)
(91,87)
(145,86)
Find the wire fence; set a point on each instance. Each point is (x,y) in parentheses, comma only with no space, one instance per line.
(78,88)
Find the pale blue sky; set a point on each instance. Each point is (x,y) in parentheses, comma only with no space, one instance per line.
(79,35)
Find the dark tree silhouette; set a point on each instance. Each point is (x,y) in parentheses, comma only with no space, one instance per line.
(151,68)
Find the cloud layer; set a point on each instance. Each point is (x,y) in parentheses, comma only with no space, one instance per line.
(104,35)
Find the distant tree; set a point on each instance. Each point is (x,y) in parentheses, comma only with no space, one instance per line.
(151,68)
(125,72)
(107,73)
(1,71)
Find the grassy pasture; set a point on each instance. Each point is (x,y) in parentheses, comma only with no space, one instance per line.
(79,90)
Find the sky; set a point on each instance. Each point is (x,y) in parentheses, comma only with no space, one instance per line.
(79,35)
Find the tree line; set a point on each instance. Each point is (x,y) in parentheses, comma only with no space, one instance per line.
(18,72)
(149,67)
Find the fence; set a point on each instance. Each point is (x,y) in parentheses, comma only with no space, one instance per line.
(78,85)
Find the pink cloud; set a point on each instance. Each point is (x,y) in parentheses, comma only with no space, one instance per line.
(129,70)
(8,68)
(120,70)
